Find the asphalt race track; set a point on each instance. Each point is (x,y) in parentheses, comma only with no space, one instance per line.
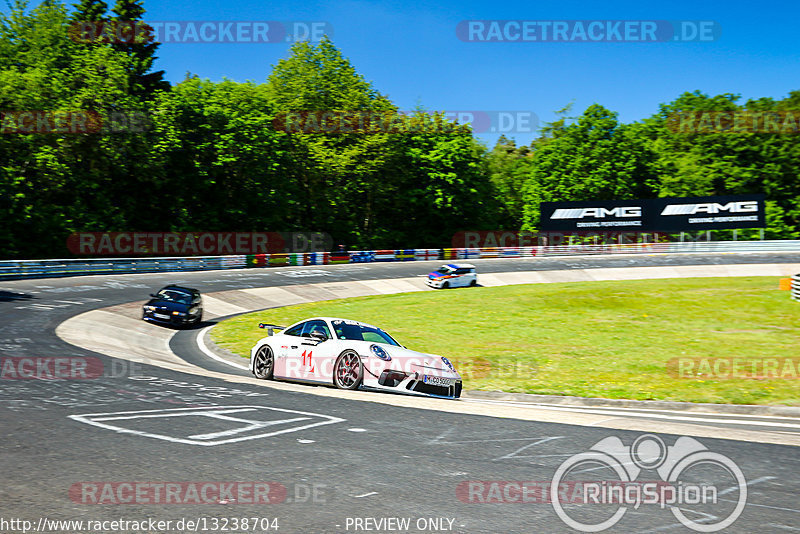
(321,463)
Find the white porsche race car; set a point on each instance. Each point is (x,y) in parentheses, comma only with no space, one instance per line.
(350,355)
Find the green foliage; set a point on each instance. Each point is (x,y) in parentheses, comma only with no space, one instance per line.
(89,10)
(412,185)
(140,49)
(210,156)
(593,158)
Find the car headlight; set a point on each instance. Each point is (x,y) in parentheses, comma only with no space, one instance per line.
(380,353)
(149,308)
(448,364)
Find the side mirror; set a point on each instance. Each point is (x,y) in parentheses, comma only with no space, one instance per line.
(319,336)
(154,295)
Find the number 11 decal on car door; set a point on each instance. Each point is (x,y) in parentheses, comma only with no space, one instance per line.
(307,363)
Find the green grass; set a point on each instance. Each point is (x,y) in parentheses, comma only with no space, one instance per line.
(594,339)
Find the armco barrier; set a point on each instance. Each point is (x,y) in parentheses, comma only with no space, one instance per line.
(795,291)
(423,254)
(72,267)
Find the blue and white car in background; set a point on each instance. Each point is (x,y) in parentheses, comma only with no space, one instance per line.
(453,275)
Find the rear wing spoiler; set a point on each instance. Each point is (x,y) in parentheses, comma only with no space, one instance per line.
(271,328)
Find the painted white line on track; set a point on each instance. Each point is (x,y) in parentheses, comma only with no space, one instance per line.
(253,425)
(613,412)
(201,344)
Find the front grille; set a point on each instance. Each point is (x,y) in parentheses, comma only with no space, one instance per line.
(429,389)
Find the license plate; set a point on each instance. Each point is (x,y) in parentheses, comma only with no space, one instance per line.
(438,381)
(160,316)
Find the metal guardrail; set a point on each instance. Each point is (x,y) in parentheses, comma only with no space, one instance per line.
(10,270)
(74,267)
(795,289)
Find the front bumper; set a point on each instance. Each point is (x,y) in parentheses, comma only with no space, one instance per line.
(413,384)
(435,283)
(163,318)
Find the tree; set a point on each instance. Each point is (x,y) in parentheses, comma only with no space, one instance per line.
(140,47)
(508,167)
(223,166)
(340,174)
(729,163)
(593,158)
(90,10)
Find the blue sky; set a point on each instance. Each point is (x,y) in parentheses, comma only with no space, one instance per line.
(410,52)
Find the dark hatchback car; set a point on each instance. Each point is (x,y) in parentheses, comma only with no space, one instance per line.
(175,305)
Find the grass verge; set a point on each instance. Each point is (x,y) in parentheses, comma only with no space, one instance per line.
(621,340)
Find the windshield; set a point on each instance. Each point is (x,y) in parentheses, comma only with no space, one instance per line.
(174,296)
(358,332)
(444,270)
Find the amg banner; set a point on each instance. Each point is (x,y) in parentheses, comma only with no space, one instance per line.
(654,215)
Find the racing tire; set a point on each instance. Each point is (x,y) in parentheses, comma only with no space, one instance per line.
(446,285)
(473,283)
(348,371)
(264,364)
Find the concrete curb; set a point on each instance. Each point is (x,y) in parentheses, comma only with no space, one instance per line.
(532,399)
(222,352)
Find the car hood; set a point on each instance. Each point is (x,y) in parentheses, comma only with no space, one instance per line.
(435,274)
(407,360)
